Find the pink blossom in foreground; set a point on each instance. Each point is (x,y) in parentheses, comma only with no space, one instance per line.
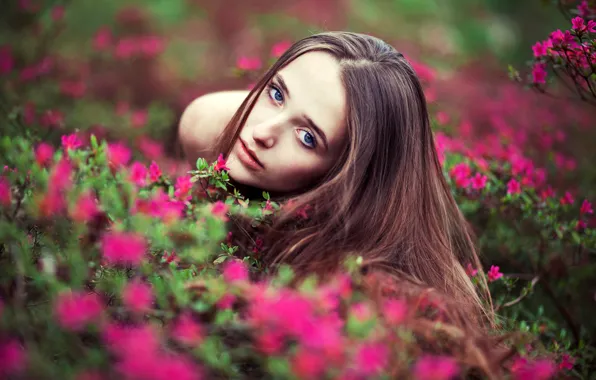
(154,172)
(138,174)
(187,331)
(123,248)
(71,142)
(183,187)
(5,192)
(307,364)
(219,209)
(13,358)
(513,187)
(137,296)
(478,182)
(270,342)
(220,164)
(43,154)
(279,48)
(235,270)
(435,368)
(539,73)
(372,358)
(494,274)
(461,173)
(85,208)
(74,310)
(118,154)
(395,311)
(586,208)
(539,49)
(538,370)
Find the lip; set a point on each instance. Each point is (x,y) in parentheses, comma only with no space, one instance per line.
(248,157)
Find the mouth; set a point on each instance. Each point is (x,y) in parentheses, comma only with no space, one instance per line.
(249,157)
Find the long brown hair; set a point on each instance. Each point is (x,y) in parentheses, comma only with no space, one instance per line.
(386,199)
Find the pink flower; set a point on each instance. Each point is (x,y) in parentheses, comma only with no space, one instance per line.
(539,49)
(219,209)
(123,248)
(235,270)
(137,296)
(12,357)
(372,358)
(71,142)
(151,46)
(395,311)
(6,60)
(61,176)
(513,187)
(479,181)
(154,172)
(5,192)
(118,154)
(461,173)
(307,364)
(249,63)
(435,368)
(546,193)
(583,9)
(567,199)
(85,208)
(138,118)
(538,370)
(138,174)
(75,309)
(577,24)
(559,38)
(220,164)
(279,48)
(494,274)
(586,208)
(102,39)
(270,342)
(183,187)
(539,73)
(187,331)
(591,27)
(150,148)
(43,154)
(567,362)
(470,271)
(226,301)
(125,48)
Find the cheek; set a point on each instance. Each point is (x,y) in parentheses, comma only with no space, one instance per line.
(295,171)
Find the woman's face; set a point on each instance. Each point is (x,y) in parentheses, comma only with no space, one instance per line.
(296,130)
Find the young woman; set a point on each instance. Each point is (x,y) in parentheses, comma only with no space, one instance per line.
(340,124)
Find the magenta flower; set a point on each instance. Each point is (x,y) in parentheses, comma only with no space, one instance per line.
(461,174)
(586,208)
(219,209)
(249,63)
(6,60)
(539,73)
(12,357)
(470,271)
(85,208)
(279,48)
(539,49)
(102,39)
(478,182)
(235,270)
(151,46)
(578,25)
(150,148)
(513,187)
(395,311)
(567,199)
(538,370)
(270,342)
(183,187)
(567,362)
(5,192)
(435,368)
(154,172)
(75,309)
(187,331)
(137,296)
(494,274)
(138,174)
(71,142)
(123,248)
(307,364)
(372,358)
(118,154)
(220,164)
(43,154)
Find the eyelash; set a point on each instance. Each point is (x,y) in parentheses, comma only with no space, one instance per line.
(270,87)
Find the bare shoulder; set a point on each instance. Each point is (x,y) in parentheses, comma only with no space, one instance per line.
(203,121)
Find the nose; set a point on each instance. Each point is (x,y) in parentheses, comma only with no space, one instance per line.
(267,132)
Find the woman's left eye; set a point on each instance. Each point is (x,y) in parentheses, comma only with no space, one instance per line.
(275,94)
(307,139)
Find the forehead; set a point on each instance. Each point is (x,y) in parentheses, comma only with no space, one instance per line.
(316,90)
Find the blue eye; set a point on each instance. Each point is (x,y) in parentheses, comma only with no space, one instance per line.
(275,94)
(307,139)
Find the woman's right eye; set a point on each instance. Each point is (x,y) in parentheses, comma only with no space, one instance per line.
(275,94)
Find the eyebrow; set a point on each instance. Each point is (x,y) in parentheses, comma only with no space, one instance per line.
(309,121)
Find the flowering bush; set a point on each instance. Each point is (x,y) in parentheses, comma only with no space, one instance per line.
(115,263)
